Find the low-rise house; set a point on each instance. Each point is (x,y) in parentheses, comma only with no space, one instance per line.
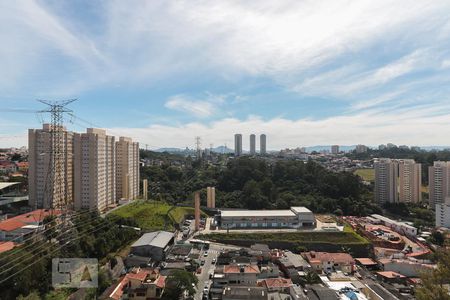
(245,293)
(22,226)
(269,271)
(134,261)
(139,284)
(276,284)
(240,274)
(408,268)
(391,277)
(329,262)
(154,244)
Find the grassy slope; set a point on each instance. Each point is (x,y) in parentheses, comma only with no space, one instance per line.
(153,215)
(348,236)
(366,174)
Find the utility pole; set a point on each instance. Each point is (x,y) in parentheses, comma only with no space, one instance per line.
(57,179)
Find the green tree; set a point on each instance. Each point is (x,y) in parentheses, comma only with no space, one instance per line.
(178,282)
(435,282)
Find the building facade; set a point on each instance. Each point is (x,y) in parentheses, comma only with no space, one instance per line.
(410,181)
(252,144)
(296,217)
(335,149)
(443,215)
(386,174)
(95,171)
(94,176)
(238,144)
(41,161)
(439,176)
(127,169)
(262,144)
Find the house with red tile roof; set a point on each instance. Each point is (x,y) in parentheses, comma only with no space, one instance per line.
(139,284)
(6,246)
(276,284)
(329,262)
(19,227)
(242,274)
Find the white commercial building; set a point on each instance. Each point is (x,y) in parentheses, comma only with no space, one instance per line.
(400,227)
(296,217)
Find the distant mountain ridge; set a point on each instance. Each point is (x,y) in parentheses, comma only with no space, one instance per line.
(318,148)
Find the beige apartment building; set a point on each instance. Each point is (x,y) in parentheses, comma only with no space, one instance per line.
(94,165)
(439,182)
(127,169)
(97,170)
(410,181)
(386,174)
(397,181)
(42,194)
(439,177)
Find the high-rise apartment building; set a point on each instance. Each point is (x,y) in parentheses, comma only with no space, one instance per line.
(94,170)
(335,149)
(439,183)
(127,169)
(252,144)
(42,194)
(262,144)
(361,149)
(443,215)
(439,179)
(410,181)
(386,174)
(397,181)
(238,144)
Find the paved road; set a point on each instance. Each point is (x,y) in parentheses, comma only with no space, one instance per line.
(207,268)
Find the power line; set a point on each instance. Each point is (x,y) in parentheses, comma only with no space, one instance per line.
(52,252)
(84,233)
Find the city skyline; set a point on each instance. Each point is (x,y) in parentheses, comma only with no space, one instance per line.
(350,84)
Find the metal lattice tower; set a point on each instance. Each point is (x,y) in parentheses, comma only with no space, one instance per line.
(198,144)
(57,181)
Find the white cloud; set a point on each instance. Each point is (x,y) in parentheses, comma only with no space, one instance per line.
(412,126)
(197,108)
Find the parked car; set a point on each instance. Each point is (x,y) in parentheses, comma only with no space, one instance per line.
(199,270)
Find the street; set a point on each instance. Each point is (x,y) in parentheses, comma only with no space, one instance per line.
(208,267)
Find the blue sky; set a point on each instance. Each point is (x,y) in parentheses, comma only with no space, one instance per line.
(163,72)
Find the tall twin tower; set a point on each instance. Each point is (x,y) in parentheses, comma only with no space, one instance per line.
(238,144)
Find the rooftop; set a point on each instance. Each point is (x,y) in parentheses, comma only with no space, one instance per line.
(257,213)
(365,261)
(156,239)
(325,256)
(31,218)
(6,246)
(390,274)
(232,269)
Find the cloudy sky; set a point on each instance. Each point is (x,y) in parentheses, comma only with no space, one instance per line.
(303,72)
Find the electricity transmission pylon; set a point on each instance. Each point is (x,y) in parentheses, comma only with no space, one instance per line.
(58,194)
